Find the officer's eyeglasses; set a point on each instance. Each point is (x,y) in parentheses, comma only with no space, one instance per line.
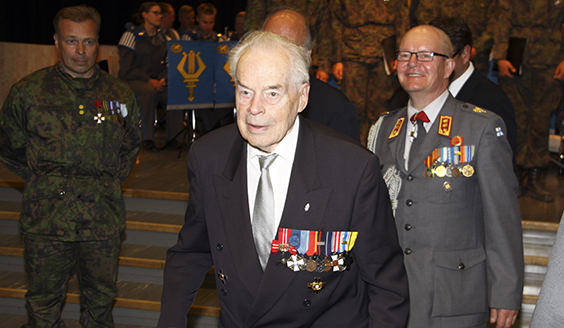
(422,56)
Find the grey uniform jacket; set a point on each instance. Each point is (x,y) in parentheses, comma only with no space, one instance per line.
(461,236)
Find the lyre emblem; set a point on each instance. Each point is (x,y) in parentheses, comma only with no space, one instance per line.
(192,76)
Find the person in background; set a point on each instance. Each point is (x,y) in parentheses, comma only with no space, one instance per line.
(71,131)
(206,20)
(142,53)
(239,32)
(187,19)
(168,21)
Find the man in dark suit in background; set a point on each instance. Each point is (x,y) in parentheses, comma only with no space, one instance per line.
(468,84)
(327,105)
(335,260)
(448,169)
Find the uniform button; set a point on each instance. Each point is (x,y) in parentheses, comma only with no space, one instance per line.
(79,196)
(79,124)
(219,247)
(77,232)
(461,266)
(407,251)
(407,227)
(410,178)
(307,303)
(62,193)
(224,292)
(78,162)
(409,202)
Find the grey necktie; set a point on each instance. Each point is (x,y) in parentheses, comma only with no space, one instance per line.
(263,213)
(421,133)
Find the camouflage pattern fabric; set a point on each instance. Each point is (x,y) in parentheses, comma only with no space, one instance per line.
(357,30)
(369,88)
(62,137)
(479,15)
(534,95)
(48,264)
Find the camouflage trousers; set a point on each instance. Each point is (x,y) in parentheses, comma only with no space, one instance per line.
(48,265)
(535,96)
(369,88)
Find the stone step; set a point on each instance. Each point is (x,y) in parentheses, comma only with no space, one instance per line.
(135,303)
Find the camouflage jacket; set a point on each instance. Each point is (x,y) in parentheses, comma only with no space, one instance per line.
(479,15)
(359,27)
(65,137)
(540,22)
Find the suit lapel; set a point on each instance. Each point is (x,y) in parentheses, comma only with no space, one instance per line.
(305,188)
(433,138)
(231,190)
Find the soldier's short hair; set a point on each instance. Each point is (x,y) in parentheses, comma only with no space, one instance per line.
(457,30)
(77,14)
(300,60)
(206,8)
(184,10)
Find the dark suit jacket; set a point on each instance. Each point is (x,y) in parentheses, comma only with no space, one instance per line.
(329,106)
(343,186)
(482,92)
(462,236)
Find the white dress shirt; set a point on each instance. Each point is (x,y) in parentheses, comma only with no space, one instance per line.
(280,171)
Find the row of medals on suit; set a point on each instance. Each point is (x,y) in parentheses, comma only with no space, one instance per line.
(320,259)
(451,162)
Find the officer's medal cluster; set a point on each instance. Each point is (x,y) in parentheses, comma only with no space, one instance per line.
(314,251)
(112,110)
(452,162)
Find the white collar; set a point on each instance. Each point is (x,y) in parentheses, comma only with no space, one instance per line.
(286,149)
(456,85)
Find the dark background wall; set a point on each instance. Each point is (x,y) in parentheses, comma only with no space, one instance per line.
(31,21)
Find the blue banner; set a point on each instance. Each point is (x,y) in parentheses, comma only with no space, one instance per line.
(224,84)
(194,67)
(190,74)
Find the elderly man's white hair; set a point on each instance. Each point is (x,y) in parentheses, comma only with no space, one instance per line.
(300,60)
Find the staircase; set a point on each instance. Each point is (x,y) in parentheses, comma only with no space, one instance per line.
(153,221)
(152,227)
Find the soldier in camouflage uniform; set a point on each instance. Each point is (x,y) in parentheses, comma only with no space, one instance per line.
(71,131)
(478,14)
(358,29)
(535,94)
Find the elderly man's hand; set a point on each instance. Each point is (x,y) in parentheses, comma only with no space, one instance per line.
(505,68)
(504,318)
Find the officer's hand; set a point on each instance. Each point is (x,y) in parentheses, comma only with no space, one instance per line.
(338,70)
(156,84)
(505,68)
(504,318)
(321,75)
(559,74)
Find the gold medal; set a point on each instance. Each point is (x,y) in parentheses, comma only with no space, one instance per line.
(467,170)
(440,171)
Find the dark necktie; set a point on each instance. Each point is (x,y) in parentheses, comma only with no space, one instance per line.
(418,118)
(263,212)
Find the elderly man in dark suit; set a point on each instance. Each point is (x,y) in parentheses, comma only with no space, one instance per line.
(327,105)
(294,217)
(448,168)
(469,84)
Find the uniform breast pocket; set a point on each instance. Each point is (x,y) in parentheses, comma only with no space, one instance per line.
(446,190)
(49,127)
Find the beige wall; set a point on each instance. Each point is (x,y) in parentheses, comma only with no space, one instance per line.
(20,59)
